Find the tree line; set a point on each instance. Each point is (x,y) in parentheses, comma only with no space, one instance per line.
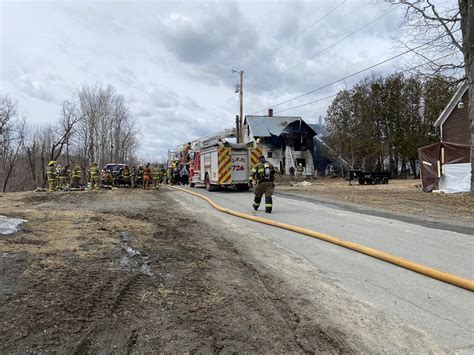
(381,122)
(95,125)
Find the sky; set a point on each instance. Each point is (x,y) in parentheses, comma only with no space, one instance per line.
(172,60)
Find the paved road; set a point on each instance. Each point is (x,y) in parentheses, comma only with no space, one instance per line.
(444,311)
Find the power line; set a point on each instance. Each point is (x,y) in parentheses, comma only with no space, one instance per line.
(427,63)
(313,110)
(327,97)
(326,48)
(297,35)
(354,74)
(306,104)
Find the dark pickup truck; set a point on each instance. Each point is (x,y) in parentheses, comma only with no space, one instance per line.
(369,177)
(116,171)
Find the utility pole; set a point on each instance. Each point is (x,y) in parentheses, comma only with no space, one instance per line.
(240,121)
(241,96)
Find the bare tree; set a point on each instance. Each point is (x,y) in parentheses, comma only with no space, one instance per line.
(440,26)
(454,26)
(65,129)
(107,133)
(31,147)
(13,133)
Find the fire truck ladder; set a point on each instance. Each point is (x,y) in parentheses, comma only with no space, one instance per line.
(213,139)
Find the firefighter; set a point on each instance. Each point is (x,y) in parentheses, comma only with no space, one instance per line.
(169,173)
(299,170)
(264,174)
(146,176)
(61,176)
(133,182)
(64,175)
(76,177)
(126,175)
(94,176)
(292,171)
(108,178)
(184,173)
(68,177)
(156,176)
(139,176)
(175,174)
(163,175)
(52,175)
(186,150)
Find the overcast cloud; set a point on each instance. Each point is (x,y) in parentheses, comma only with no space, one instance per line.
(172,60)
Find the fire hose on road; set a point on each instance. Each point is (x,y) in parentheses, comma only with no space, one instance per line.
(407,264)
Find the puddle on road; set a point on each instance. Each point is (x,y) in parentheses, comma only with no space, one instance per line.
(10,225)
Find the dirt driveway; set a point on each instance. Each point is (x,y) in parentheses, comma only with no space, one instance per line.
(131,271)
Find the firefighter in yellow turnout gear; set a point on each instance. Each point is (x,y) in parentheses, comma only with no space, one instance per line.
(126,176)
(264,174)
(94,176)
(156,176)
(52,175)
(76,177)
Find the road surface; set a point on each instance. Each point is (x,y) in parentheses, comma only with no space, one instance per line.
(443,311)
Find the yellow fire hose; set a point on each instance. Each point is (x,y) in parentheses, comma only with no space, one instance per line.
(407,264)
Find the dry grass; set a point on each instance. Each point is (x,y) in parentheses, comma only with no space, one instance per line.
(401,196)
(63,228)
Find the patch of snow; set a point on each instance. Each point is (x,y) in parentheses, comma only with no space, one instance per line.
(10,225)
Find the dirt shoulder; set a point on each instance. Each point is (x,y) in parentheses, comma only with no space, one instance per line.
(134,271)
(400,199)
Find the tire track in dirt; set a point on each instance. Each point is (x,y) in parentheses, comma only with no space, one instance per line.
(127,295)
(122,302)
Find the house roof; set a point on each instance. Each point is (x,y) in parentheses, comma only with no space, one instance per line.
(452,104)
(320,129)
(267,126)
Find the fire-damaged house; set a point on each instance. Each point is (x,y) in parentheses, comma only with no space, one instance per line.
(286,141)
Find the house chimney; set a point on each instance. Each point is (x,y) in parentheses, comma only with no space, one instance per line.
(270,112)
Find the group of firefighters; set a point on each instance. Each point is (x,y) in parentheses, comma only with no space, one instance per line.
(177,174)
(63,178)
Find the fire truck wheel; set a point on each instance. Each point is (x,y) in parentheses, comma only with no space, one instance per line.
(209,186)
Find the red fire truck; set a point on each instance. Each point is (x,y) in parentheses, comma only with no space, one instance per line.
(216,162)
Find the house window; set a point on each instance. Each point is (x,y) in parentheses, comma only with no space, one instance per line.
(269,154)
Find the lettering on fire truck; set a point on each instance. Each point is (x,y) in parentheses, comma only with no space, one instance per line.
(235,163)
